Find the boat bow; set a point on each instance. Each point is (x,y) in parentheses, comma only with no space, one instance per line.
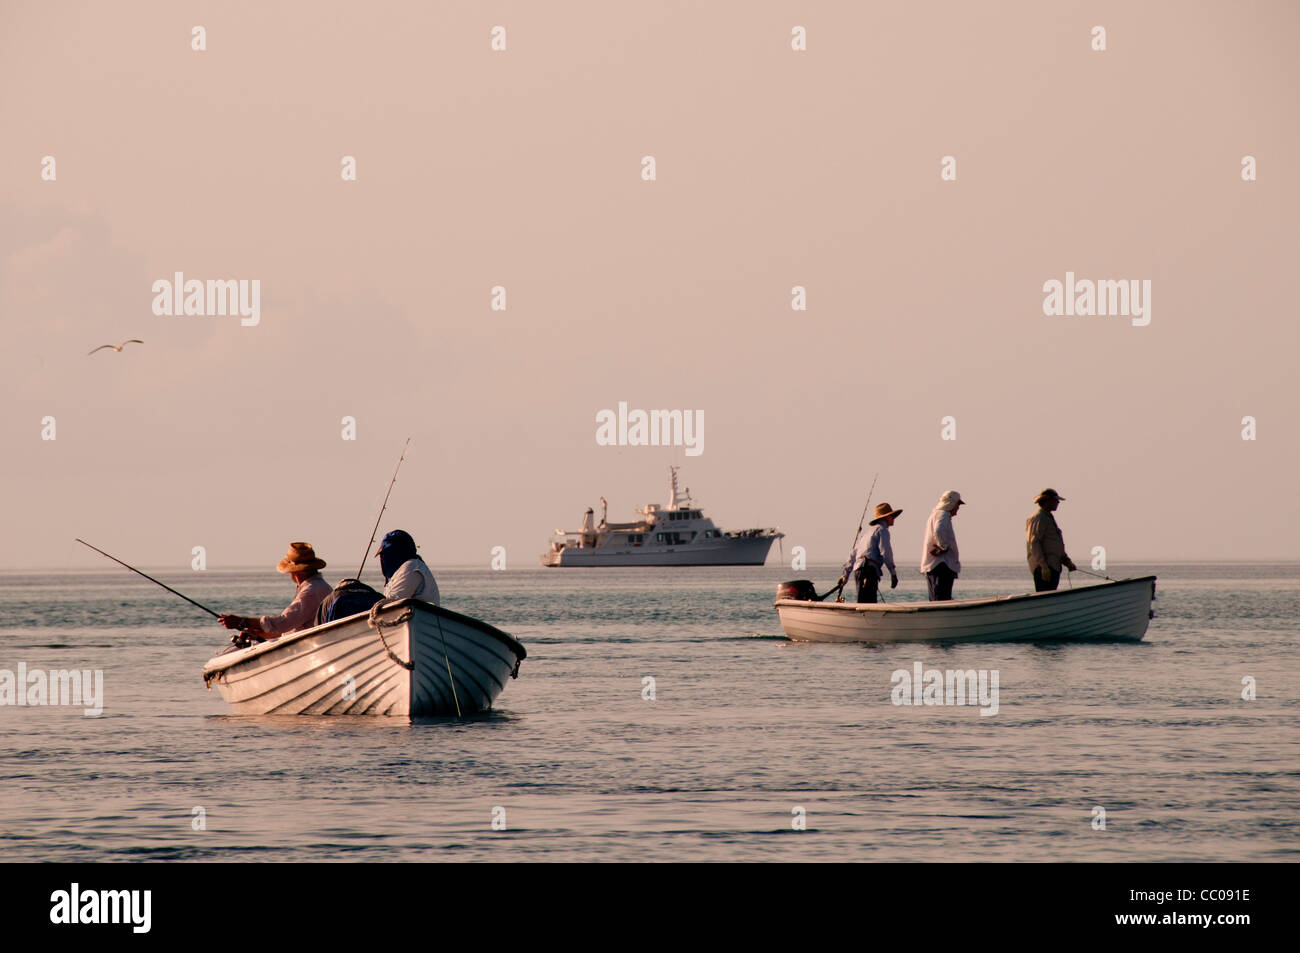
(401,658)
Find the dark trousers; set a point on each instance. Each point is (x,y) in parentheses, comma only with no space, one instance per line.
(1046,585)
(940,579)
(868,584)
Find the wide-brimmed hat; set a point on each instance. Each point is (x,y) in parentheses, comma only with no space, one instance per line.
(300,558)
(1048,494)
(883,511)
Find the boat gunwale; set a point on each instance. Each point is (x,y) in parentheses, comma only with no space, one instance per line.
(885,608)
(220,663)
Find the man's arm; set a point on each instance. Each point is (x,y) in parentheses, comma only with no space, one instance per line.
(944,535)
(1065,557)
(932,545)
(296,615)
(247,623)
(404,582)
(887,554)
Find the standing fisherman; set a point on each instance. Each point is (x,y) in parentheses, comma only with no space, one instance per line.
(939,558)
(1044,544)
(871,553)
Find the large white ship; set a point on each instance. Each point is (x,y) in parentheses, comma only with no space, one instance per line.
(678,534)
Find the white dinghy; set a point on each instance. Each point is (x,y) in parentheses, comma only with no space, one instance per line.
(402,658)
(1111,611)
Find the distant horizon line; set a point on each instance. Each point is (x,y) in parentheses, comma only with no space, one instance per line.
(537,566)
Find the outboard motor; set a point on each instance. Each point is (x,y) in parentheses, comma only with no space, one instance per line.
(801,589)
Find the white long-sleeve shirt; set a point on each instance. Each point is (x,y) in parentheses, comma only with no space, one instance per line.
(301,613)
(413,579)
(876,547)
(938,532)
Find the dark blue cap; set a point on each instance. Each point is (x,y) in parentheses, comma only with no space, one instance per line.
(398,537)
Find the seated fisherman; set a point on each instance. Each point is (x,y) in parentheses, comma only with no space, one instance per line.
(304,569)
(405,572)
(349,597)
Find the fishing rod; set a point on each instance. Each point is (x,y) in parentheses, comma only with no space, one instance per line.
(374,531)
(840,588)
(1098,575)
(151,579)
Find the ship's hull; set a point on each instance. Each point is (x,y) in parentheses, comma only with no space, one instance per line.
(744,551)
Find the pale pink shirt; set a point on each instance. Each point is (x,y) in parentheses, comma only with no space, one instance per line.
(301,613)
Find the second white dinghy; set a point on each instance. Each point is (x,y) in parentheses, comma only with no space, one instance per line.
(1118,610)
(402,658)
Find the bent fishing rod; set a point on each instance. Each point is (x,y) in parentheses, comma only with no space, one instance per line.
(151,579)
(840,588)
(375,531)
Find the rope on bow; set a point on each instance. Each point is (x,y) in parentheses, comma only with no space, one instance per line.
(379,625)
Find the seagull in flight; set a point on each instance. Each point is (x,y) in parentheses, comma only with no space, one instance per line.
(117,347)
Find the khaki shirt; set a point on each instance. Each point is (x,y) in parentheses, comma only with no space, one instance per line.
(1044,544)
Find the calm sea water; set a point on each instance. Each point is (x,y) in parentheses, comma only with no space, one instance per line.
(745,729)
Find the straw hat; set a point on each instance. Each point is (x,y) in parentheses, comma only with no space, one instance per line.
(884,511)
(1048,494)
(300,558)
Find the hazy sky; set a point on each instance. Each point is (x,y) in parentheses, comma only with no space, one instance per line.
(522,168)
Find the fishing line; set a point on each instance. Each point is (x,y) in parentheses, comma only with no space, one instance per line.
(1098,575)
(446,658)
